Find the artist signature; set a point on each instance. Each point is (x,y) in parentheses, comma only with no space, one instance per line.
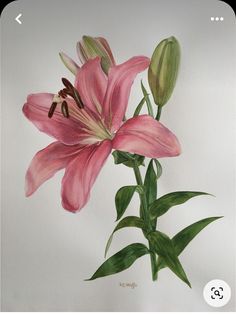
(131,285)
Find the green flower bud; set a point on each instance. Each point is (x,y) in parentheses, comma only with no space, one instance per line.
(91,47)
(163,70)
(69,63)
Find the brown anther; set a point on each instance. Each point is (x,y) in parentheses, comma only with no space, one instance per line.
(64,109)
(67,84)
(67,92)
(72,91)
(77,99)
(62,93)
(52,109)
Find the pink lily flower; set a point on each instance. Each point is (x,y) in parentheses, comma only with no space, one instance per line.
(88,125)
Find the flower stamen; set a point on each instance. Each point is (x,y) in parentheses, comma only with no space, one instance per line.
(64,109)
(72,91)
(52,109)
(69,90)
(63,93)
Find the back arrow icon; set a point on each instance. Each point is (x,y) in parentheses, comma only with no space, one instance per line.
(18,18)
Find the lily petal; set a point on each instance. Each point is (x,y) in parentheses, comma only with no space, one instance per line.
(46,163)
(120,80)
(91,82)
(36,110)
(145,136)
(81,174)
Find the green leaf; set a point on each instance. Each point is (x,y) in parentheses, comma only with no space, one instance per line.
(121,260)
(123,198)
(130,221)
(164,247)
(135,157)
(158,168)
(184,237)
(164,203)
(127,158)
(147,99)
(139,107)
(150,181)
(121,157)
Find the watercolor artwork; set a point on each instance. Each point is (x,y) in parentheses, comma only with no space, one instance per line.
(118,156)
(87,119)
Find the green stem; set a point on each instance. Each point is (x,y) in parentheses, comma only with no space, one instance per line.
(146,218)
(158,116)
(137,173)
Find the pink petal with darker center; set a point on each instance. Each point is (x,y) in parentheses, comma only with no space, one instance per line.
(36,110)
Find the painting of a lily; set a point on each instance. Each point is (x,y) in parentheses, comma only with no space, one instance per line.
(87,119)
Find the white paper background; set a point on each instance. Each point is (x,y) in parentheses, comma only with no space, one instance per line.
(46,251)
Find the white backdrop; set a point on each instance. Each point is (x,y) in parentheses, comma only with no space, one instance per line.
(48,252)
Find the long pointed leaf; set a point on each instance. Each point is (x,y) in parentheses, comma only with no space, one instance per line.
(164,247)
(184,237)
(123,198)
(121,260)
(164,203)
(139,107)
(158,168)
(150,183)
(130,221)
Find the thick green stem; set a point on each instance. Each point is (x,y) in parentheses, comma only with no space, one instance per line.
(158,116)
(146,218)
(144,211)
(137,173)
